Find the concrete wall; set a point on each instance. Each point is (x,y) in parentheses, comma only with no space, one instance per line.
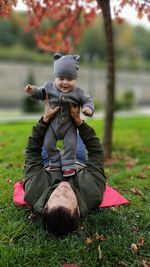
(13,78)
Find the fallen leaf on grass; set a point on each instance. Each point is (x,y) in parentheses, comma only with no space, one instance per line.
(146,149)
(142,175)
(136,191)
(146,167)
(122,190)
(141,241)
(145,263)
(88,240)
(99,253)
(100,237)
(118,156)
(114,159)
(108,161)
(131,163)
(134,248)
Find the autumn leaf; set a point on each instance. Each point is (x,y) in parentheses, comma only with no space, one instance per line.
(147,149)
(100,237)
(141,242)
(136,191)
(134,248)
(88,240)
(145,263)
(131,163)
(142,175)
(146,167)
(108,161)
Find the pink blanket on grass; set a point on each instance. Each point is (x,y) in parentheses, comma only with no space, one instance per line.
(111,196)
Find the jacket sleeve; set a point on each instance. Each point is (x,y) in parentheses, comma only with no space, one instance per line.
(95,157)
(33,158)
(39,93)
(87,101)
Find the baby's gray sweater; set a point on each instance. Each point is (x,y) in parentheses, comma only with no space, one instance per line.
(58,98)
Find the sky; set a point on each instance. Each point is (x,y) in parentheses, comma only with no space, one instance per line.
(128,13)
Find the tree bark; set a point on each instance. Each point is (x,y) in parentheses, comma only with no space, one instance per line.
(110,90)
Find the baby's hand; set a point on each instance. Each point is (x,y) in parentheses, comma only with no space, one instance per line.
(87,111)
(29,89)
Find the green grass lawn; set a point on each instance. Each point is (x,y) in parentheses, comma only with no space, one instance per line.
(117,236)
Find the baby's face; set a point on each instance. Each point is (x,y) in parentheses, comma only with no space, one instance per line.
(64,84)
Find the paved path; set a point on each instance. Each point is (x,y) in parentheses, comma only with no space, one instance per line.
(144,111)
(15,115)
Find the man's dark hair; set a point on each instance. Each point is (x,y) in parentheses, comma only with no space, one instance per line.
(60,221)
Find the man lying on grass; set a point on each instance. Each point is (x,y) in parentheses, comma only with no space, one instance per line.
(60,201)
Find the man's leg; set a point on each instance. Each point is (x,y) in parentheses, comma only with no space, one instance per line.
(45,157)
(80,151)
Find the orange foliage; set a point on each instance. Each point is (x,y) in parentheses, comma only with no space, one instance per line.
(141,8)
(6,6)
(66,19)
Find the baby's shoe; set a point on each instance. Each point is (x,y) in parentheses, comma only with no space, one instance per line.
(69,172)
(52,168)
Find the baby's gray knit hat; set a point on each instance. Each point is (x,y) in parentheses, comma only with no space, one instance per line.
(66,66)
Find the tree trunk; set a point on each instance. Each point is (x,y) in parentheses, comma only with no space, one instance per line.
(110,92)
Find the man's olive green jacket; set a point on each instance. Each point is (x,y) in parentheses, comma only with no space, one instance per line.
(88,183)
